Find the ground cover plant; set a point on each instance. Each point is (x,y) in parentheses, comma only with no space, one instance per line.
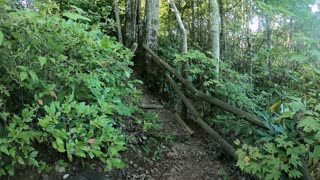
(65,89)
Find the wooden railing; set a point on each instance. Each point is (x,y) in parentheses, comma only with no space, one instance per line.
(232,109)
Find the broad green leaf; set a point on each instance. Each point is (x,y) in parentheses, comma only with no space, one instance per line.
(81,154)
(33,162)
(286,115)
(12,152)
(293,173)
(309,124)
(4,149)
(34,154)
(33,75)
(70,156)
(59,145)
(116,100)
(79,10)
(20,160)
(23,75)
(42,60)
(91,155)
(296,106)
(285,167)
(123,110)
(114,150)
(316,153)
(23,68)
(127,73)
(75,16)
(115,162)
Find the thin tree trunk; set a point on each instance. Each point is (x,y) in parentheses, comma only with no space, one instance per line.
(116,11)
(131,22)
(182,28)
(269,39)
(248,37)
(215,32)
(151,31)
(289,34)
(192,30)
(184,50)
(223,37)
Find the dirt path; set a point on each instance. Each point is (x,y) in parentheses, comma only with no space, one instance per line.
(193,157)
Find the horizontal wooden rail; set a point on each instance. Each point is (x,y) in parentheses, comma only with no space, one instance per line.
(234,110)
(219,139)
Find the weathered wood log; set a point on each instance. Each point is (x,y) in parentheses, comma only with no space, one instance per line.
(236,111)
(134,47)
(219,139)
(150,106)
(183,124)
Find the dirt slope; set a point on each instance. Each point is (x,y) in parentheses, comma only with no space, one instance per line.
(185,158)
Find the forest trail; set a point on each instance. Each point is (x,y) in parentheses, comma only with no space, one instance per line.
(194,157)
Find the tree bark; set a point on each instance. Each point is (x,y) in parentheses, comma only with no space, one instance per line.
(131,30)
(248,38)
(269,39)
(223,37)
(116,11)
(184,50)
(151,26)
(192,29)
(215,29)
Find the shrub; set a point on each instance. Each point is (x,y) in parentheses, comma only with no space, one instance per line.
(65,88)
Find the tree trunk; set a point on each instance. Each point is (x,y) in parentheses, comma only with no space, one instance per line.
(184,50)
(248,38)
(223,37)
(192,29)
(151,31)
(131,22)
(215,44)
(269,40)
(116,11)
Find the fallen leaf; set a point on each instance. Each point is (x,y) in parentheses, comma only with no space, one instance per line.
(40,101)
(247,160)
(91,141)
(53,94)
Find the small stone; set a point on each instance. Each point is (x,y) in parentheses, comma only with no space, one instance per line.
(173,155)
(173,170)
(59,169)
(65,176)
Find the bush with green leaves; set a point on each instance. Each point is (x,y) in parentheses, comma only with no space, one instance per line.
(231,86)
(295,137)
(64,89)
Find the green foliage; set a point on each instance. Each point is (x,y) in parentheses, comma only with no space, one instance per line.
(280,154)
(230,85)
(97,12)
(65,91)
(150,122)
